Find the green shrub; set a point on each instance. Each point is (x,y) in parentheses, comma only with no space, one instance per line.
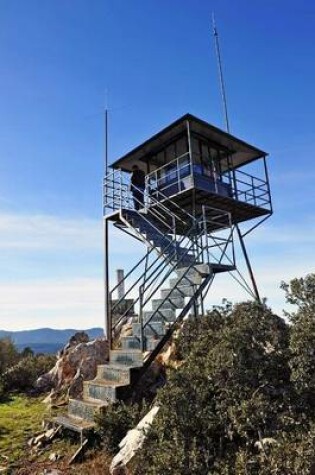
(114,423)
(22,376)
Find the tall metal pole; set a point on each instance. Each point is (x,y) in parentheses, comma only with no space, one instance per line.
(222,85)
(107,312)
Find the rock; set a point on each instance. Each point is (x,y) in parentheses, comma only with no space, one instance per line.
(267,441)
(76,362)
(30,441)
(49,433)
(132,442)
(54,457)
(39,439)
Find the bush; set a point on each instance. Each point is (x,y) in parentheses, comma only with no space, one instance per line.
(22,376)
(233,407)
(116,421)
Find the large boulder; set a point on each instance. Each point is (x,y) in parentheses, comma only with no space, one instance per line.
(76,362)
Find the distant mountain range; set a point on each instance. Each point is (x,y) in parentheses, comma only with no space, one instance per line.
(46,340)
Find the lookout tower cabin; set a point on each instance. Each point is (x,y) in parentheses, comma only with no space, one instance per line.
(191,164)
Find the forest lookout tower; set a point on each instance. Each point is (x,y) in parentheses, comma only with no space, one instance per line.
(197,186)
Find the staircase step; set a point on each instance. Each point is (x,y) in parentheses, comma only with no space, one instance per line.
(114,372)
(85,409)
(175,303)
(152,329)
(195,274)
(76,424)
(187,290)
(174,293)
(183,282)
(102,390)
(130,342)
(132,358)
(159,240)
(169,314)
(150,342)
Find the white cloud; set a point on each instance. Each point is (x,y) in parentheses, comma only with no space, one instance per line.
(44,232)
(56,300)
(76,303)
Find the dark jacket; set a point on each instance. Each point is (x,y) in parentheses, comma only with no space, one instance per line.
(138,179)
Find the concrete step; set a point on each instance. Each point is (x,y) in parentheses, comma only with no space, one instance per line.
(114,372)
(150,342)
(85,409)
(200,269)
(130,342)
(151,329)
(102,390)
(175,303)
(169,314)
(131,358)
(174,293)
(184,282)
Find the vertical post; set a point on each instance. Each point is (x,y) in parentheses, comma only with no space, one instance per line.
(190,149)
(267,181)
(107,311)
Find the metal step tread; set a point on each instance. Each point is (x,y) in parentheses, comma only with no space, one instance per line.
(76,424)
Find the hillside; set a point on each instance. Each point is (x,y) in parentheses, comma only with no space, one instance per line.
(45,340)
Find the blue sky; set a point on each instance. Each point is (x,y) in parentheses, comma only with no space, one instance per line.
(156,60)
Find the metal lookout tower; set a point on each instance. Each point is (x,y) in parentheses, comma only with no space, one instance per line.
(200,184)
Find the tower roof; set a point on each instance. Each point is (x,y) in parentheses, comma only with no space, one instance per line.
(242,152)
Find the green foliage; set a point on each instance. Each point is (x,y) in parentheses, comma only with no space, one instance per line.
(116,420)
(19,371)
(301,293)
(22,375)
(8,354)
(233,406)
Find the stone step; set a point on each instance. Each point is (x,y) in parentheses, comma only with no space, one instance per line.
(151,329)
(175,303)
(169,314)
(202,270)
(114,372)
(132,358)
(187,290)
(130,342)
(184,282)
(84,409)
(149,342)
(102,390)
(174,293)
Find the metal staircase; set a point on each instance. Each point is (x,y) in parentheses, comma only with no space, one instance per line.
(183,255)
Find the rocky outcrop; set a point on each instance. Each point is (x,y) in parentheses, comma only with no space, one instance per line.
(76,362)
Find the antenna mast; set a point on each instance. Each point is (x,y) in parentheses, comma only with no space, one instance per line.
(222,86)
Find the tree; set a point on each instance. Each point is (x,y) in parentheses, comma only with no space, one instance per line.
(8,354)
(301,293)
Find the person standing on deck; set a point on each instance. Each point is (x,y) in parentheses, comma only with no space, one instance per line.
(137,187)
